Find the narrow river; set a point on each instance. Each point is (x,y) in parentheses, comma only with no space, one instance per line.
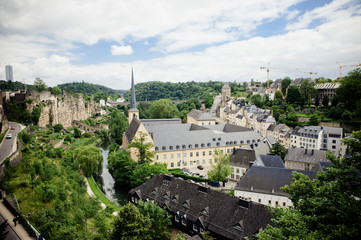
(115,194)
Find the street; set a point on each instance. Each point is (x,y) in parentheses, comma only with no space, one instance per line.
(8,146)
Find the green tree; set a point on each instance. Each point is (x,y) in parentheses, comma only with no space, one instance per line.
(118,124)
(142,172)
(284,84)
(121,167)
(58,127)
(89,158)
(293,95)
(327,207)
(163,108)
(144,153)
(349,91)
(308,90)
(257,100)
(278,150)
(252,82)
(221,170)
(39,85)
(325,101)
(317,100)
(76,133)
(55,90)
(130,224)
(36,114)
(160,223)
(313,120)
(278,97)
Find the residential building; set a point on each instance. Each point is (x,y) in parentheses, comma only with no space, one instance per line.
(303,159)
(326,89)
(319,138)
(297,82)
(195,209)
(226,94)
(263,185)
(201,118)
(277,85)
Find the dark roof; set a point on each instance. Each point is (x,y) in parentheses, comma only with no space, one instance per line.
(235,128)
(132,129)
(268,180)
(272,161)
(223,210)
(305,155)
(242,158)
(271,127)
(200,115)
(320,166)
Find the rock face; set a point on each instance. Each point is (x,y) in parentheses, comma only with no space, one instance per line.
(63,109)
(3,120)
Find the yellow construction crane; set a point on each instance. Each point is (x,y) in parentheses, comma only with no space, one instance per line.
(311,73)
(268,68)
(341,66)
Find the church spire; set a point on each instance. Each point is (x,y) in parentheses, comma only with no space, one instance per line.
(133,103)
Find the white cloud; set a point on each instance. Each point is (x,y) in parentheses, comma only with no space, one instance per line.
(121,50)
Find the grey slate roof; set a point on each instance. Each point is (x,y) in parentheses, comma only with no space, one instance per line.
(147,122)
(305,155)
(173,135)
(132,129)
(268,180)
(271,140)
(321,166)
(271,161)
(224,211)
(242,158)
(200,115)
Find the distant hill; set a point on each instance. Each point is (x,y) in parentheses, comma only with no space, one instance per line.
(88,89)
(150,91)
(12,86)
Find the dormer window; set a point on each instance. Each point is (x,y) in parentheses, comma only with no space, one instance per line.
(184,220)
(208,144)
(248,141)
(218,143)
(239,226)
(186,203)
(195,227)
(154,191)
(205,211)
(253,141)
(219,139)
(235,142)
(196,145)
(190,146)
(242,142)
(170,147)
(175,198)
(165,195)
(214,139)
(184,147)
(156,148)
(202,145)
(177,147)
(164,148)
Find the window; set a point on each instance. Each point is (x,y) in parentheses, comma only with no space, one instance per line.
(176,218)
(190,146)
(333,141)
(156,148)
(178,155)
(172,156)
(197,162)
(171,148)
(284,204)
(203,161)
(210,161)
(197,154)
(208,144)
(202,145)
(218,143)
(248,141)
(184,221)
(163,148)
(259,200)
(171,164)
(195,227)
(204,153)
(164,156)
(242,142)
(269,202)
(237,170)
(184,155)
(184,146)
(157,157)
(214,139)
(219,139)
(178,163)
(177,147)
(276,203)
(191,163)
(191,154)
(215,160)
(196,145)
(210,153)
(333,147)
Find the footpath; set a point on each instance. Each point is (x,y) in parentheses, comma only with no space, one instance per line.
(19,229)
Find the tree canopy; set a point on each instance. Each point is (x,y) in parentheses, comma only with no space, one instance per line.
(118,124)
(349,91)
(90,159)
(278,150)
(39,85)
(293,95)
(143,148)
(284,84)
(221,170)
(327,207)
(163,108)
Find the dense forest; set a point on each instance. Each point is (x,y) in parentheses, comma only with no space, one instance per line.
(151,91)
(88,88)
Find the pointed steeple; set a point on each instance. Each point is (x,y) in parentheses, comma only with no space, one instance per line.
(133,104)
(133,111)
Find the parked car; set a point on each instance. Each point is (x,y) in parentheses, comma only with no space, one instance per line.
(9,136)
(214,184)
(200,167)
(12,128)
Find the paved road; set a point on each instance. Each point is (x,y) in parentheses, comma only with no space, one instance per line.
(8,146)
(12,234)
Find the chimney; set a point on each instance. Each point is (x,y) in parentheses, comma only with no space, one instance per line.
(312,152)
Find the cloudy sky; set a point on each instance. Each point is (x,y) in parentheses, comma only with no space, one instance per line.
(98,41)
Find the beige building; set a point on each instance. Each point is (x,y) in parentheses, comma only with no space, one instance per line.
(303,159)
(226,94)
(200,118)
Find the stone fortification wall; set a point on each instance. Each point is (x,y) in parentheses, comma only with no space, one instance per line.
(63,109)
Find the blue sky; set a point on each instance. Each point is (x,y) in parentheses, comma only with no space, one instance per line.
(99,41)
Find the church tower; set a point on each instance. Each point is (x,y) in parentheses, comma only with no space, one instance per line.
(133,111)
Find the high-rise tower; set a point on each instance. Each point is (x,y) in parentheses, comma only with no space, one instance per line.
(9,73)
(133,111)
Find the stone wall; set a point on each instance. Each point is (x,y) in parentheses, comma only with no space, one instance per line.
(63,109)
(3,120)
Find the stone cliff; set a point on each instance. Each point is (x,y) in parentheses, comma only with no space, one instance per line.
(3,120)
(63,109)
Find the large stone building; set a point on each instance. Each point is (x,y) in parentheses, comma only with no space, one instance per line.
(226,94)
(326,89)
(195,209)
(319,138)
(180,145)
(201,118)
(304,159)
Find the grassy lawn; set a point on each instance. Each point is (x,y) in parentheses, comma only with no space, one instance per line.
(301,115)
(100,195)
